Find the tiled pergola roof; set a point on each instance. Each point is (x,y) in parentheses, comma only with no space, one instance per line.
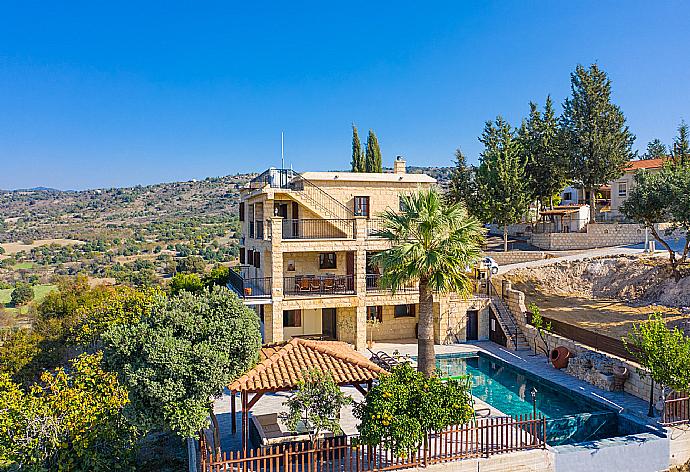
(283,365)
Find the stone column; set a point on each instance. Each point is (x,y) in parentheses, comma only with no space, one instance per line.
(360,334)
(273,324)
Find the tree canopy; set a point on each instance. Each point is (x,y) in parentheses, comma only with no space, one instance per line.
(357,163)
(501,178)
(176,358)
(546,166)
(372,159)
(655,149)
(663,197)
(71,421)
(596,137)
(406,405)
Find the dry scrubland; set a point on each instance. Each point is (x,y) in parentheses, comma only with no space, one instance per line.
(606,295)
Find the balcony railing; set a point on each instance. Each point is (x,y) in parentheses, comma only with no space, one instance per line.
(374,285)
(319,285)
(256,287)
(374,225)
(318,229)
(276,178)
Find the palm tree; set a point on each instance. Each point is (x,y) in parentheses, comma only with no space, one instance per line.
(434,244)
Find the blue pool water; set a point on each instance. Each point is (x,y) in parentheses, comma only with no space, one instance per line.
(509,390)
(571,418)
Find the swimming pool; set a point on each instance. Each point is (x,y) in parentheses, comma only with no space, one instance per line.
(571,418)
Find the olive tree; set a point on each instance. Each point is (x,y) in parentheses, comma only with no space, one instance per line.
(181,355)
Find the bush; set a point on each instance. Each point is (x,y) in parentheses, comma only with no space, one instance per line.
(187,282)
(22,294)
(406,405)
(193,264)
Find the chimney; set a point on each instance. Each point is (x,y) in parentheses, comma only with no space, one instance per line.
(399,166)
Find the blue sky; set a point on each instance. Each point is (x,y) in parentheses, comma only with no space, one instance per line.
(100,94)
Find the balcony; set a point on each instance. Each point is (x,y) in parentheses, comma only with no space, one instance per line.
(255,287)
(374,286)
(310,285)
(319,229)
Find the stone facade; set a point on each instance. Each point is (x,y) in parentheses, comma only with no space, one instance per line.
(281,259)
(516,257)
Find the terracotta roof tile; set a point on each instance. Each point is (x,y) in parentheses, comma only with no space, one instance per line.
(645,164)
(281,366)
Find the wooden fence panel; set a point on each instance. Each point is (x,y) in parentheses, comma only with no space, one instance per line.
(482,438)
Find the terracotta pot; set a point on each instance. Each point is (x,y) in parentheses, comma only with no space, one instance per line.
(559,357)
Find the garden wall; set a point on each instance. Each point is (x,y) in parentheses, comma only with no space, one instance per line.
(516,257)
(597,235)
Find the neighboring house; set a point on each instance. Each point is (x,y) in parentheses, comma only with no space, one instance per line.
(620,188)
(563,219)
(305,255)
(612,195)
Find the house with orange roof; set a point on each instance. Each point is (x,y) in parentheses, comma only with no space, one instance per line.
(621,187)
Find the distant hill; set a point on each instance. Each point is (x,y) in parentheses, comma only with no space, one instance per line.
(43,213)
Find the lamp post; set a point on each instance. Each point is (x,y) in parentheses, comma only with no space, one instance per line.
(534,402)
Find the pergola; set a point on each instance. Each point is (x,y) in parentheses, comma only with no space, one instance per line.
(283,365)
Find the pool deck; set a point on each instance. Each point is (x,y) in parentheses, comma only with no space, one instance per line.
(272,403)
(623,402)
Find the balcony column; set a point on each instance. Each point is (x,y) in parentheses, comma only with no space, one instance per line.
(360,335)
(273,325)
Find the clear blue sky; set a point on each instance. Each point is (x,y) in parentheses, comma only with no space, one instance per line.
(99,94)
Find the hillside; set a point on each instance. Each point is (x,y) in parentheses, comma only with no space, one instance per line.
(48,213)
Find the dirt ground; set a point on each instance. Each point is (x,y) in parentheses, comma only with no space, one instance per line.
(13,248)
(606,295)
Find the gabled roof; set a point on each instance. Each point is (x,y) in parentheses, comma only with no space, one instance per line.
(645,164)
(283,365)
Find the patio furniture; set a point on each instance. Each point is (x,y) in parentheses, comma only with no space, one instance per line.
(329,284)
(302,284)
(315,284)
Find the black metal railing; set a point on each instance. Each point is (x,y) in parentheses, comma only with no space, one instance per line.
(319,285)
(255,287)
(318,229)
(320,198)
(275,178)
(374,285)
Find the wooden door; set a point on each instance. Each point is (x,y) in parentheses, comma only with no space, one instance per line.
(328,323)
(472,330)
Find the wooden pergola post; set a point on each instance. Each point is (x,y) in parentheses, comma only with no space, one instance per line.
(233,410)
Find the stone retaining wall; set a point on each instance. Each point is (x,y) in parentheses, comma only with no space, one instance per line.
(515,299)
(516,257)
(597,235)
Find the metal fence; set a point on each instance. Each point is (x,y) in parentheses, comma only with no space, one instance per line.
(317,228)
(676,409)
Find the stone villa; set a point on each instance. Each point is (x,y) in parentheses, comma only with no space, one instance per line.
(307,240)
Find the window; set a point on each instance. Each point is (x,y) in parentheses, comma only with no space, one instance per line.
(242,259)
(567,196)
(403,311)
(327,260)
(375,313)
(623,189)
(362,206)
(292,318)
(250,257)
(242,211)
(257,259)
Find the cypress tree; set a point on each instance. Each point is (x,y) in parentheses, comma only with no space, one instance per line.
(655,149)
(357,154)
(373,162)
(681,146)
(597,140)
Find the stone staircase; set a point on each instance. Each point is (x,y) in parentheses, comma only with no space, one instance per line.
(516,339)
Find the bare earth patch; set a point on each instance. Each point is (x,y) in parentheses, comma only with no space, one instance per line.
(605,295)
(13,248)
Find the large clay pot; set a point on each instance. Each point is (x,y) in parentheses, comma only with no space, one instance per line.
(559,357)
(620,375)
